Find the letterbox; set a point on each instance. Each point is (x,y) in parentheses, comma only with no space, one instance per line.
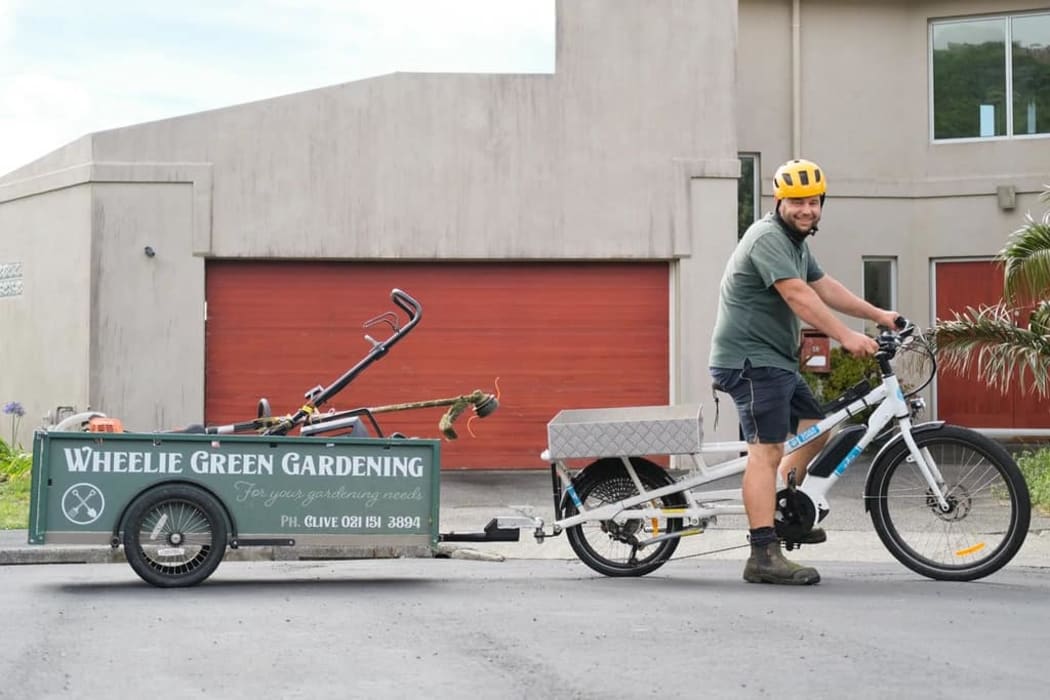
(815,355)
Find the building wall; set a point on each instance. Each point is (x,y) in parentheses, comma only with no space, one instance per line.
(100,324)
(147,322)
(44,331)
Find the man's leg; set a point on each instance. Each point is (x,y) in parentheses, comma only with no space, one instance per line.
(805,413)
(760,484)
(767,563)
(799,461)
(800,458)
(762,400)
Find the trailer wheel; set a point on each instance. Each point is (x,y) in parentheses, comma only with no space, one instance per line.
(175,535)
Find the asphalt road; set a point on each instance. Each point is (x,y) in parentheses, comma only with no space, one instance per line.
(449,628)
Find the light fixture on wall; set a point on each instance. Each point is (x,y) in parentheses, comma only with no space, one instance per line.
(1007,195)
(148,250)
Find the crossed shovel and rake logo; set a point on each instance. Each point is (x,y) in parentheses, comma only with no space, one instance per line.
(83,504)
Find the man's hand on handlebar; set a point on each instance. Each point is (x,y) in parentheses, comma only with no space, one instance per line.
(858,344)
(891,325)
(889,319)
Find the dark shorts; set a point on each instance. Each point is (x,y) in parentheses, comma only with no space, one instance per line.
(770,401)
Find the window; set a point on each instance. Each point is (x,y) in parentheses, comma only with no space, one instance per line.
(991,77)
(880,286)
(748,193)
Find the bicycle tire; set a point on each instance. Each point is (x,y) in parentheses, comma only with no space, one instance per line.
(606,546)
(989,500)
(175,535)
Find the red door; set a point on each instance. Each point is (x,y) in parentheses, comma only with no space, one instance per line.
(553,335)
(965,399)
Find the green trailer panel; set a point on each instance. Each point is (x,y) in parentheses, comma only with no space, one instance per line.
(310,490)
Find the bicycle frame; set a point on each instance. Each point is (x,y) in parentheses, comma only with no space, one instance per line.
(704,506)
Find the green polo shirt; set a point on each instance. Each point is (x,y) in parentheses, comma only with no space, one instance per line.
(754,322)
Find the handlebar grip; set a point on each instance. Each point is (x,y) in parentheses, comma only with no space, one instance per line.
(899,324)
(406,302)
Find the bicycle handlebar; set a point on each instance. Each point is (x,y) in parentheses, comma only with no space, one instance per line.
(890,340)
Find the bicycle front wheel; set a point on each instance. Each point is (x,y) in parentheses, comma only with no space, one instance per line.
(612,548)
(988,505)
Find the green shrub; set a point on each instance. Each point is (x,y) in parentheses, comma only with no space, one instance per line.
(846,370)
(14,463)
(1036,469)
(14,503)
(15,468)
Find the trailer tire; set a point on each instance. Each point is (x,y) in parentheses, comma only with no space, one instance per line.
(175,535)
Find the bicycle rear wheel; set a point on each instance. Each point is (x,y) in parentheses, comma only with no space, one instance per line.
(989,506)
(611,548)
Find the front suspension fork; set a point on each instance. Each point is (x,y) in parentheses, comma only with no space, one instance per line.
(930,472)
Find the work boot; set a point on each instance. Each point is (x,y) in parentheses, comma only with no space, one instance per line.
(768,565)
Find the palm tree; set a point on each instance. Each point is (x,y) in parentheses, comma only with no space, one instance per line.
(989,338)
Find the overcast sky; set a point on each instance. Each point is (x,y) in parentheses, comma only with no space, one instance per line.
(72,67)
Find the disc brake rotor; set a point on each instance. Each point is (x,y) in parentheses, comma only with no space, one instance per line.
(959,504)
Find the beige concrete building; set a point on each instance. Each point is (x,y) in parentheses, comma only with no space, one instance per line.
(565,232)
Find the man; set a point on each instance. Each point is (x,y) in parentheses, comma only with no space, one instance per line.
(771,281)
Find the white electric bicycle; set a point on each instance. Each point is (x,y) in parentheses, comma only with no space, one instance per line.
(946,501)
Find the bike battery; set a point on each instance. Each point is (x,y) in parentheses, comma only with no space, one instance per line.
(837,450)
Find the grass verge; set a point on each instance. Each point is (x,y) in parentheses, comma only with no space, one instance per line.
(15,466)
(1036,469)
(14,503)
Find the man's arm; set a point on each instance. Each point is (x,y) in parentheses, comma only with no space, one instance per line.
(809,306)
(834,294)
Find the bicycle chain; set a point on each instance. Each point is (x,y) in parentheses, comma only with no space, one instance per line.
(713,551)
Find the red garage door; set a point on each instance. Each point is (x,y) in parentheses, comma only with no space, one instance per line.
(965,399)
(554,335)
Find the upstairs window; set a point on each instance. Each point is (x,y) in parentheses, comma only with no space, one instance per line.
(880,286)
(990,77)
(748,193)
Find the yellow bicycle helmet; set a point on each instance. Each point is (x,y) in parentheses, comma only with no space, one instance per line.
(799,178)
